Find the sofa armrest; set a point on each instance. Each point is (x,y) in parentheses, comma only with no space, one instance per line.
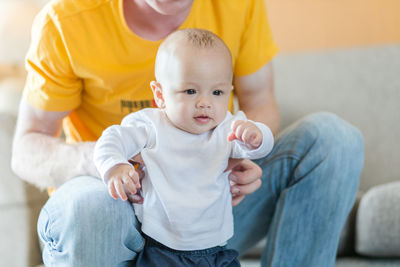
(378,222)
(20,204)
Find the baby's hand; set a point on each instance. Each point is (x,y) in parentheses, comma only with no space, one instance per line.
(247,132)
(120,179)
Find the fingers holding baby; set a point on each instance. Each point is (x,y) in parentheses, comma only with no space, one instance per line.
(122,179)
(247,132)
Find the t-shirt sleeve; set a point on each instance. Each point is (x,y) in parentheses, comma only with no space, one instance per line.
(257,45)
(51,83)
(119,143)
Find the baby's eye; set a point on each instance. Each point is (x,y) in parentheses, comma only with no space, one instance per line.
(218,92)
(190,91)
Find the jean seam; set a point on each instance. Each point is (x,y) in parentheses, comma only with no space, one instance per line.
(279,157)
(285,154)
(141,248)
(276,231)
(293,155)
(298,176)
(208,261)
(48,233)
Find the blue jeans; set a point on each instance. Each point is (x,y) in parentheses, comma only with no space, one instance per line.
(310,180)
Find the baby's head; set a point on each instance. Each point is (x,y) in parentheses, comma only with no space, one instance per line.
(194,79)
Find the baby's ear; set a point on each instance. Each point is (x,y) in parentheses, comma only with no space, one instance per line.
(157,93)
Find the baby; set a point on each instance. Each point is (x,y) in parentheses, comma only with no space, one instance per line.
(185,143)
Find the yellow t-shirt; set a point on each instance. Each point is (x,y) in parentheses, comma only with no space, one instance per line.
(84,58)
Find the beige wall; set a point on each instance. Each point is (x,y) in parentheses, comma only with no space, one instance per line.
(304,25)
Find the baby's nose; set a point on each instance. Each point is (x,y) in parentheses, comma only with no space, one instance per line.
(204,103)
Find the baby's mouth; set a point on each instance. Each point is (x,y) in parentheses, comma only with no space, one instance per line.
(202,119)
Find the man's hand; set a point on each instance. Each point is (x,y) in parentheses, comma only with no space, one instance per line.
(244,177)
(138,164)
(247,132)
(122,178)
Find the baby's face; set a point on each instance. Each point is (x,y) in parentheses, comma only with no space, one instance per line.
(196,88)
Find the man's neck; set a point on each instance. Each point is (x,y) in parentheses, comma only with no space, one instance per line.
(150,24)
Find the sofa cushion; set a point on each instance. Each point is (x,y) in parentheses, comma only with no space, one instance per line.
(378,221)
(360,85)
(20,204)
(19,245)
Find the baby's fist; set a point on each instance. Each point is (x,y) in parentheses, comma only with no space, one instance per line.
(120,179)
(247,132)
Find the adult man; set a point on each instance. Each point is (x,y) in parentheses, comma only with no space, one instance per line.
(90,63)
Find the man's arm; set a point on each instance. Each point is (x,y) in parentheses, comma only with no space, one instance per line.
(40,157)
(256,97)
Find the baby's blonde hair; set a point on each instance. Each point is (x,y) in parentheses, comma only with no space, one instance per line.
(198,38)
(201,38)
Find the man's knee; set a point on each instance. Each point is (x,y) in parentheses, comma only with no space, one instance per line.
(340,144)
(323,139)
(83,206)
(82,217)
(333,133)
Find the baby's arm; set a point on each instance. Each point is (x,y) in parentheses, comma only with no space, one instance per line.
(113,150)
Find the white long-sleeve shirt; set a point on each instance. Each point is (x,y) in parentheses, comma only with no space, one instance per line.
(187,199)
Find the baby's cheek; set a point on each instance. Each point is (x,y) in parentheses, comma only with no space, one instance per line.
(218,120)
(220,114)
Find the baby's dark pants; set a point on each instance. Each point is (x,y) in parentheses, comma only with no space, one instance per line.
(155,254)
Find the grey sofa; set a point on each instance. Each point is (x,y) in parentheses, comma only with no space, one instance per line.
(361,85)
